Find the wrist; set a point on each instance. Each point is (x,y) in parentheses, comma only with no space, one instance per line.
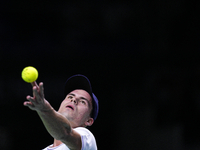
(47,108)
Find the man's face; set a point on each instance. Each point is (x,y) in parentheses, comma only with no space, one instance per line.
(76,107)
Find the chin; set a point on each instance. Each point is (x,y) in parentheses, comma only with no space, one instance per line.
(67,115)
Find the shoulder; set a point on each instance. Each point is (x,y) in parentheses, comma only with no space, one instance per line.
(83,131)
(88,139)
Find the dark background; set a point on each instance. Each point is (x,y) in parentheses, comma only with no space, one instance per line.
(142,58)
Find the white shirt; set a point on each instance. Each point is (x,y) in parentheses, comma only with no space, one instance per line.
(87,139)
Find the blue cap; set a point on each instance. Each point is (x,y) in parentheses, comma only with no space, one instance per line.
(82,82)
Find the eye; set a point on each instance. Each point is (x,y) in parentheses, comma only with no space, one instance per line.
(83,102)
(70,97)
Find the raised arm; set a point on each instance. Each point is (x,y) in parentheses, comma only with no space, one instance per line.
(56,124)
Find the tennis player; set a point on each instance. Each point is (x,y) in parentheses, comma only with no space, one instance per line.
(68,125)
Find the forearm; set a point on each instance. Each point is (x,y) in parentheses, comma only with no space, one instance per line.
(56,124)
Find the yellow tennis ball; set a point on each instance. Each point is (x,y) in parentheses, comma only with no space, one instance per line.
(29,74)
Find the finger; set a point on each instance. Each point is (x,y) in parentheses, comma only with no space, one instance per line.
(41,87)
(30,99)
(34,84)
(28,104)
(36,94)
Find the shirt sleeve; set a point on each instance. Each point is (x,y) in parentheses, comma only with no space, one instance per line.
(87,138)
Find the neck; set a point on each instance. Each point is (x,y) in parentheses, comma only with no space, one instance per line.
(56,143)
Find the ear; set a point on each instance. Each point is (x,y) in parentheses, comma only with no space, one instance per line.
(89,122)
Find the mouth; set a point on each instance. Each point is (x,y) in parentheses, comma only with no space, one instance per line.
(70,107)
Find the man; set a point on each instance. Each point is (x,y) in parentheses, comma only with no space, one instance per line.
(77,111)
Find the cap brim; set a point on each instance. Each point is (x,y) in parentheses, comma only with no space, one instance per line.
(78,82)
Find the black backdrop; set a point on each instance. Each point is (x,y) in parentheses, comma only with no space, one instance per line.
(142,58)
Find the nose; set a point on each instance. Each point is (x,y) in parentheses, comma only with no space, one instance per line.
(74,100)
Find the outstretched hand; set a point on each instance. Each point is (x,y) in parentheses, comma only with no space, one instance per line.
(37,102)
